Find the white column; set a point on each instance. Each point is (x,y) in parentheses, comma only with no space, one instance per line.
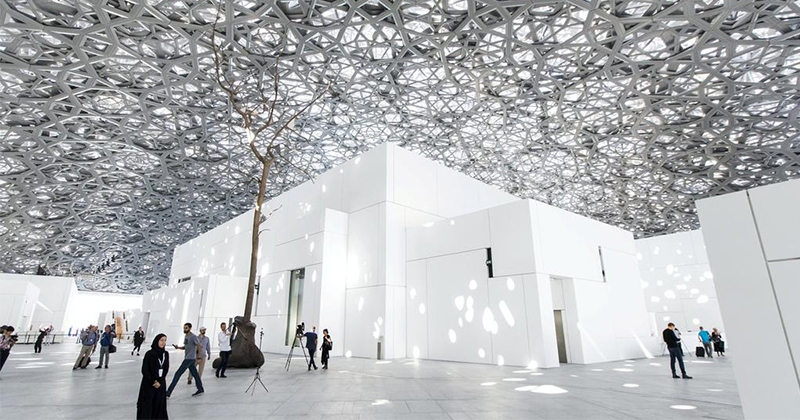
(754,297)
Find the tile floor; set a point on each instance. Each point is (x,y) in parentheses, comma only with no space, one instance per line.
(44,386)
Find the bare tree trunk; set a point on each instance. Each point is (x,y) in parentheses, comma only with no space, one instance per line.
(251,284)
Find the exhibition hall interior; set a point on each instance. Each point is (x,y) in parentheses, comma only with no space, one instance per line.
(385,209)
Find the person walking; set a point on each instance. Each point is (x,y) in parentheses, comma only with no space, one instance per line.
(7,340)
(719,345)
(311,345)
(138,339)
(192,350)
(675,352)
(705,338)
(327,346)
(88,339)
(43,331)
(205,343)
(152,402)
(224,340)
(106,341)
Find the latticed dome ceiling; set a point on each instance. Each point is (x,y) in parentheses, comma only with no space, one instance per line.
(116,143)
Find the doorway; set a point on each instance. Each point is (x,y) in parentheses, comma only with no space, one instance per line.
(295,302)
(561,338)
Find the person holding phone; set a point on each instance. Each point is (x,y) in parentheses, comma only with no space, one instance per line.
(192,350)
(152,402)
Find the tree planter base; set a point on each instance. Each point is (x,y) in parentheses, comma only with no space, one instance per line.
(245,352)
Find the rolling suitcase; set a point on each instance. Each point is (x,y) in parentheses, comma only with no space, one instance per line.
(700,351)
(87,362)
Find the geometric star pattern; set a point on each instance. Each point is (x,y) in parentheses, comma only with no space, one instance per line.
(115,140)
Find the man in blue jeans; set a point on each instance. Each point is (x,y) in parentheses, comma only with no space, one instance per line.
(675,352)
(192,350)
(705,337)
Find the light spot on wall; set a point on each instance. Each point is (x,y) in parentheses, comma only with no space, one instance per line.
(708,275)
(489,324)
(473,284)
(656,251)
(645,284)
(665,308)
(502,361)
(507,315)
(358,160)
(533,365)
(324,188)
(428,224)
(470,314)
(415,352)
(481,353)
(694,291)
(666,318)
(655,299)
(348,353)
(510,284)
(452,222)
(236,230)
(412,293)
(461,322)
(670,294)
(659,283)
(459,302)
(360,303)
(213,252)
(695,321)
(422,308)
(314,276)
(670,269)
(269,291)
(311,247)
(380,320)
(639,256)
(451,335)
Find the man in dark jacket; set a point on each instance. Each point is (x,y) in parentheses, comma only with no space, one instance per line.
(675,353)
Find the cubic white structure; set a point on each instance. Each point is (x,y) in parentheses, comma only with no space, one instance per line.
(393,249)
(754,251)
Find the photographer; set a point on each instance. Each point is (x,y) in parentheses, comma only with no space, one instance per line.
(7,340)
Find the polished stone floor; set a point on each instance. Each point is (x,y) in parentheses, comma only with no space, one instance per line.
(44,386)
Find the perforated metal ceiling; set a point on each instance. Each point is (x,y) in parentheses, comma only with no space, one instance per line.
(115,141)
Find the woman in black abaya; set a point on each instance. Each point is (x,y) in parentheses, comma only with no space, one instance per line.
(152,403)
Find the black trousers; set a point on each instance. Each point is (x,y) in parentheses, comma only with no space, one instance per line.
(325,356)
(223,364)
(3,356)
(136,347)
(37,347)
(311,361)
(675,353)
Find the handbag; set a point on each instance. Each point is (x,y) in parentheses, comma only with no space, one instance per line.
(112,349)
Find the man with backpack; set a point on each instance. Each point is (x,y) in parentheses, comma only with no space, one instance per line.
(88,342)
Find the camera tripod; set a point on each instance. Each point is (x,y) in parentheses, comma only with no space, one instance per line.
(297,342)
(258,370)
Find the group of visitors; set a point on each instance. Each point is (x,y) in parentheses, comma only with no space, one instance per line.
(89,339)
(311,345)
(672,338)
(153,391)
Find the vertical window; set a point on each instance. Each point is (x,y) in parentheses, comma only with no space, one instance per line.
(295,302)
(602,263)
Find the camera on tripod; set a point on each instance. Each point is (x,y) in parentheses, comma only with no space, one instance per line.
(301,329)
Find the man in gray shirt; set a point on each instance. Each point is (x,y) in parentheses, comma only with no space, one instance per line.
(192,350)
(206,353)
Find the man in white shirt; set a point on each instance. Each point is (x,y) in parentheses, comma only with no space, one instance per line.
(224,338)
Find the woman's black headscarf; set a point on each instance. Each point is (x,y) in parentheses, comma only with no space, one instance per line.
(155,347)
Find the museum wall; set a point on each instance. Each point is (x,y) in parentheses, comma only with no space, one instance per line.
(751,239)
(17,301)
(447,275)
(678,283)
